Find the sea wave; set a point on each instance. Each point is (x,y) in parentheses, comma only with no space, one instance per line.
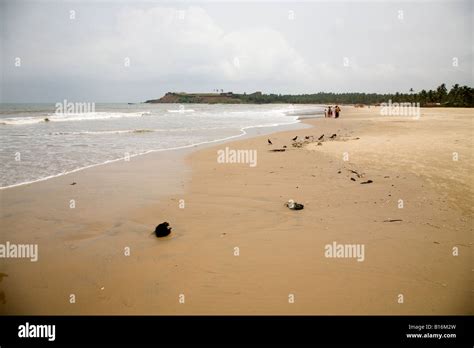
(304,112)
(106,132)
(242,131)
(139,131)
(91,116)
(181,111)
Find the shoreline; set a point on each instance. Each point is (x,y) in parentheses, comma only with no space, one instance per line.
(281,252)
(243,133)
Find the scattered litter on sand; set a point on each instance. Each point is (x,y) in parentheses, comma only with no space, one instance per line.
(291,204)
(163,229)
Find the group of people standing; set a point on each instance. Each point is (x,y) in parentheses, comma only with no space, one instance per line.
(330,112)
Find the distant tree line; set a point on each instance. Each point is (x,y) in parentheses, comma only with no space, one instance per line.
(458,96)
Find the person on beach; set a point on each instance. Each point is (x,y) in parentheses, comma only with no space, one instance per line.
(337,110)
(329,112)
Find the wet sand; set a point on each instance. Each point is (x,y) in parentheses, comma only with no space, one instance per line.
(281,253)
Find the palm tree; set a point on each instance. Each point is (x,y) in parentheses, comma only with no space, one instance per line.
(441,93)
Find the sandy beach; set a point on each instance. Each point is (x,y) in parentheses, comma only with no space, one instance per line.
(235,248)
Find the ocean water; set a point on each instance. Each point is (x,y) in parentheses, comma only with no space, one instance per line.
(34,149)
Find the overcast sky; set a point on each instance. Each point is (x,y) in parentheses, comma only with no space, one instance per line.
(279,47)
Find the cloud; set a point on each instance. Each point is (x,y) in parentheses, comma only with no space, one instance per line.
(239,47)
(163,41)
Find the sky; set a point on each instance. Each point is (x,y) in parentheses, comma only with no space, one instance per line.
(131,51)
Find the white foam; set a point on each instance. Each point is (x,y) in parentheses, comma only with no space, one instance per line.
(242,133)
(21,120)
(181,111)
(125,131)
(138,131)
(91,116)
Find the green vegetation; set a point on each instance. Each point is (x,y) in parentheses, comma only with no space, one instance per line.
(456,97)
